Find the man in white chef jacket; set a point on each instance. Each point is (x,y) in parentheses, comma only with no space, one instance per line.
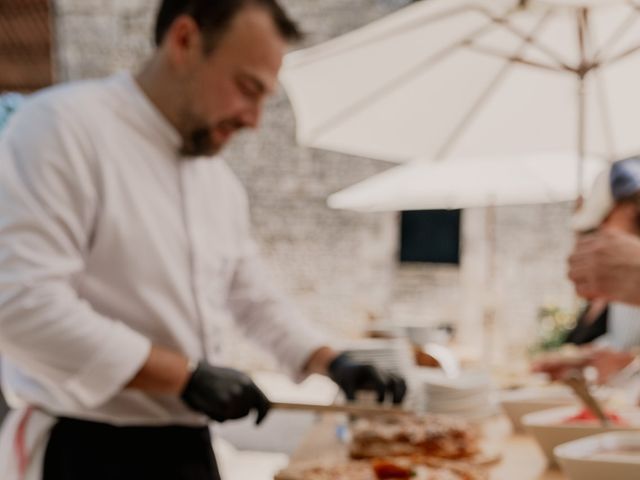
(125,242)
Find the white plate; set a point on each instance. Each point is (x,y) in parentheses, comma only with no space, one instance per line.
(549,431)
(518,403)
(590,458)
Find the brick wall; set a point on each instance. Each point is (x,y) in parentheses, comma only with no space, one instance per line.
(98,37)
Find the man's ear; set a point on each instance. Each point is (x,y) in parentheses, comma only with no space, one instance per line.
(183,42)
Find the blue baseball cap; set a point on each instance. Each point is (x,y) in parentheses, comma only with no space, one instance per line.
(625,178)
(619,181)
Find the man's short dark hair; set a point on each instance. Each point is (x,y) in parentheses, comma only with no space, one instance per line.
(214,17)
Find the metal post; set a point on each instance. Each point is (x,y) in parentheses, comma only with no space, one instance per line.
(585,66)
(489,310)
(581,134)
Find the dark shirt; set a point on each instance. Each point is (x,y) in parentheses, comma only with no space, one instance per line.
(4,408)
(586,333)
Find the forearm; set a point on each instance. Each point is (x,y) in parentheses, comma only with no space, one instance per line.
(164,372)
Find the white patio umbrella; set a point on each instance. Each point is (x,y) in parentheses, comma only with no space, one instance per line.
(472,182)
(444,79)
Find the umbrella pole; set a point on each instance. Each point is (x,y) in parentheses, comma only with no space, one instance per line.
(583,37)
(489,311)
(581,134)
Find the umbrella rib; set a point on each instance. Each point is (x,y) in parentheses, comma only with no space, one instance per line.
(539,46)
(433,19)
(617,35)
(619,57)
(516,59)
(475,108)
(583,28)
(605,113)
(582,17)
(400,30)
(399,80)
(605,117)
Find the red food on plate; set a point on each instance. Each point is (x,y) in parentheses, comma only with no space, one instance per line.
(586,416)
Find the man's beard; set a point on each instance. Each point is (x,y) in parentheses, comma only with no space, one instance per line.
(199,143)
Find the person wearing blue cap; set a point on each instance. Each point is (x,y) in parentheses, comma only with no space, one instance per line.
(607,330)
(614,206)
(606,264)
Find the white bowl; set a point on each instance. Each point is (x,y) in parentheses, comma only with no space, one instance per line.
(516,404)
(549,431)
(590,458)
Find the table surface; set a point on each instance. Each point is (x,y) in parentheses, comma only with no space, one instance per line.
(521,457)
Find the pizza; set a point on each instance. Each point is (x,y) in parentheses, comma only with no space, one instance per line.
(430,436)
(404,468)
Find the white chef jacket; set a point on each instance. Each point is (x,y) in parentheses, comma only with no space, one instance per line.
(109,243)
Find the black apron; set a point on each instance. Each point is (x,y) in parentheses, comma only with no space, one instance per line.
(83,450)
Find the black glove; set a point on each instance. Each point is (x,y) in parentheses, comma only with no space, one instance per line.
(353,376)
(224,394)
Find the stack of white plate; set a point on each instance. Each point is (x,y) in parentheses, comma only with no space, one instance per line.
(393,355)
(469,395)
